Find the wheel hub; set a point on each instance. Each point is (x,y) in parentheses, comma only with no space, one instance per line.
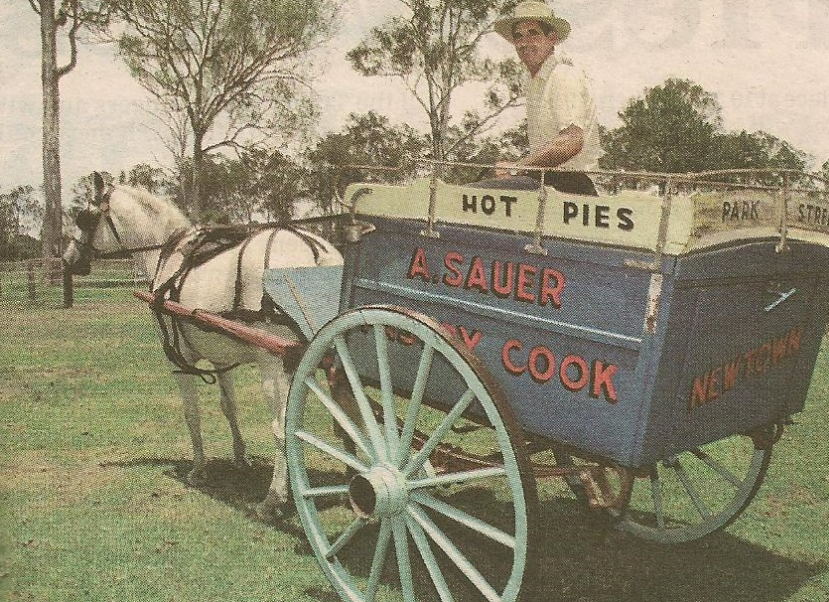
(379,493)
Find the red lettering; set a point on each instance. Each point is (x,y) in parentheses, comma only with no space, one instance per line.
(526,280)
(509,346)
(451,262)
(450,328)
(418,267)
(583,373)
(763,358)
(501,285)
(794,340)
(476,278)
(699,392)
(730,372)
(471,340)
(541,375)
(749,357)
(602,376)
(714,383)
(552,283)
(779,349)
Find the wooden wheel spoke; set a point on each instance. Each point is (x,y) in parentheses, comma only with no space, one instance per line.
(346,536)
(423,371)
(682,475)
(429,559)
(404,566)
(440,432)
(467,520)
(375,436)
(332,451)
(458,477)
(386,390)
(454,554)
(342,418)
(717,467)
(379,560)
(656,496)
(313,492)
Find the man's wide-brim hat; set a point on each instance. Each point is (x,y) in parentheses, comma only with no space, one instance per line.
(533,11)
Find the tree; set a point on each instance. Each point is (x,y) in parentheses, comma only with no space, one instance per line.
(71,17)
(434,51)
(670,129)
(366,139)
(16,208)
(240,64)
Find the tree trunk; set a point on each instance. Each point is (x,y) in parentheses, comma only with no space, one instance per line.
(52,221)
(198,155)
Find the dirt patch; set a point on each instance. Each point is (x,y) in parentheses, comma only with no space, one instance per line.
(55,485)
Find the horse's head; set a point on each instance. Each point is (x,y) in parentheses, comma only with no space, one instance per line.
(81,250)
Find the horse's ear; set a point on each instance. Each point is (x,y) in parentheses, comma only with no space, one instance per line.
(98,179)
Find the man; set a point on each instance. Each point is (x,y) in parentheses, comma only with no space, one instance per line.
(561,116)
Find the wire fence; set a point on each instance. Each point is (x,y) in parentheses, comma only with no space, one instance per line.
(39,282)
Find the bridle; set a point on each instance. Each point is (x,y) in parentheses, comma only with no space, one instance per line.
(88,221)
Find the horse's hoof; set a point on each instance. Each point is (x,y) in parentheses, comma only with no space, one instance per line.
(272,508)
(196,477)
(241,463)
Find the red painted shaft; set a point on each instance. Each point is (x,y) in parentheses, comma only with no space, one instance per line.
(254,336)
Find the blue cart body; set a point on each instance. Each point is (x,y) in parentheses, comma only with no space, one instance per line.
(615,350)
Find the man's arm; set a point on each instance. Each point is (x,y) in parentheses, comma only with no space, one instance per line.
(566,145)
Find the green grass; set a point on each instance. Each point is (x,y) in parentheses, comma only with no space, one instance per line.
(94,504)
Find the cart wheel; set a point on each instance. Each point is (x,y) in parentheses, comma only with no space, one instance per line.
(692,494)
(385,521)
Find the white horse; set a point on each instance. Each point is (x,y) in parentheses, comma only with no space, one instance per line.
(230,281)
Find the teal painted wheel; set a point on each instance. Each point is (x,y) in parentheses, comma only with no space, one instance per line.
(692,494)
(384,521)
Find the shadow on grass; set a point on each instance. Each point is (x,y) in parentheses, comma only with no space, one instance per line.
(580,556)
(584,558)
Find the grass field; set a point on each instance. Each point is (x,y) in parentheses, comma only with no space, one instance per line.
(94,505)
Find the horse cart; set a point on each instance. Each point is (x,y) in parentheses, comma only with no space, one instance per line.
(639,351)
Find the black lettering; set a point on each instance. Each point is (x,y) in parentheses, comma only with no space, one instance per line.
(508,201)
(726,209)
(488,204)
(470,204)
(602,216)
(571,210)
(625,218)
(800,212)
(585,216)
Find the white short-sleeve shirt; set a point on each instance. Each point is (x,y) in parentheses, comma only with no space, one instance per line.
(558,97)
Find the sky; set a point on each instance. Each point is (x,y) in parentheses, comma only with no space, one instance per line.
(767,62)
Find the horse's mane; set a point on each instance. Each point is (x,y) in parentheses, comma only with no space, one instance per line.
(159,211)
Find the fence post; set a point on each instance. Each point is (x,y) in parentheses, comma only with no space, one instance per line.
(30,274)
(68,291)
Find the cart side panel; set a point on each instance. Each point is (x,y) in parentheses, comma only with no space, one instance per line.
(562,333)
(741,341)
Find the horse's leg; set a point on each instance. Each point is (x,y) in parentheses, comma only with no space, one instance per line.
(275,386)
(228,400)
(190,401)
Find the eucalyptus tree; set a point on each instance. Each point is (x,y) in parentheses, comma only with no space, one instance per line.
(56,22)
(18,208)
(239,70)
(433,47)
(670,128)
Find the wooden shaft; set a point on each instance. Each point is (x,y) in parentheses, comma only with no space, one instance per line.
(254,336)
